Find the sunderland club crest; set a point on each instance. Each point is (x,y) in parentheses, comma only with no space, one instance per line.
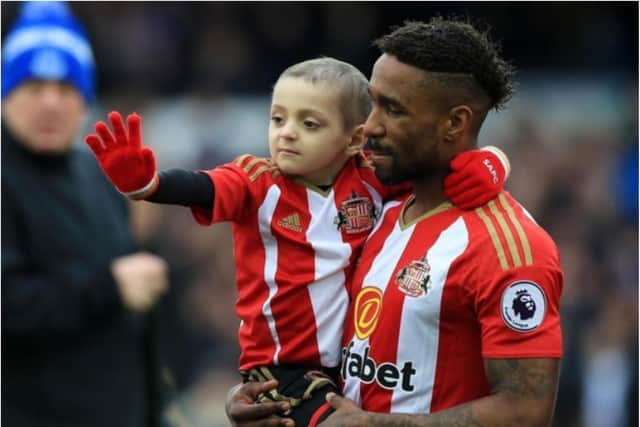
(414,279)
(356,214)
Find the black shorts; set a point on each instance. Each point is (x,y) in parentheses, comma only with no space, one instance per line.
(304,387)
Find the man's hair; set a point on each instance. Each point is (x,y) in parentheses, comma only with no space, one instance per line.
(456,54)
(352,85)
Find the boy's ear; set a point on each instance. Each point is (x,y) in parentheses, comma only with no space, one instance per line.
(357,141)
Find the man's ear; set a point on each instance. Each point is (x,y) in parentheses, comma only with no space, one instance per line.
(458,122)
(356,141)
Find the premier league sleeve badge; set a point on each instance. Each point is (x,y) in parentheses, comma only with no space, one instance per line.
(524,306)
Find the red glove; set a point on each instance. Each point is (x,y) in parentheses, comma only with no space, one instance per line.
(476,177)
(128,165)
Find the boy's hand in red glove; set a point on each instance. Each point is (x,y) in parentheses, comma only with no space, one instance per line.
(476,177)
(128,165)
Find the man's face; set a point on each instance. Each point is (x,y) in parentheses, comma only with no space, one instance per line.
(44,115)
(403,126)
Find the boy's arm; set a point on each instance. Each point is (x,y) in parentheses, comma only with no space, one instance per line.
(476,177)
(131,167)
(183,187)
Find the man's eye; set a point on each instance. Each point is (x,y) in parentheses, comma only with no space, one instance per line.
(393,111)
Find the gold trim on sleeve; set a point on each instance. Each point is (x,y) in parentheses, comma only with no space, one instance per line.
(259,172)
(526,248)
(494,238)
(247,168)
(241,159)
(517,262)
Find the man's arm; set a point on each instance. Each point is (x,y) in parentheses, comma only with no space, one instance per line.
(523,394)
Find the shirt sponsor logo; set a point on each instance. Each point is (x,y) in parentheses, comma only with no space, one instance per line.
(356,214)
(367,311)
(414,279)
(387,375)
(524,306)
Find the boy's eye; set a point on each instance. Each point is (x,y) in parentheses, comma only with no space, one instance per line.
(277,120)
(310,124)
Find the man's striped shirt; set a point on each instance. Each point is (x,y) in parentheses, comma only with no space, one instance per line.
(431,299)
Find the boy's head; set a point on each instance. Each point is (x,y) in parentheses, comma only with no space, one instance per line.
(317,111)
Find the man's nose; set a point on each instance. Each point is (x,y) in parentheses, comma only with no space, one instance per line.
(50,96)
(372,127)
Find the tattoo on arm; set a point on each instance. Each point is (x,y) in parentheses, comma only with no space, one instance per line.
(521,389)
(530,378)
(460,416)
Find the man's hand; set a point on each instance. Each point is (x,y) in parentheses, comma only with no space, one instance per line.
(243,411)
(476,177)
(128,165)
(141,279)
(347,413)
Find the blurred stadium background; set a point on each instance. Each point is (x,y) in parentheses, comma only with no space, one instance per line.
(200,75)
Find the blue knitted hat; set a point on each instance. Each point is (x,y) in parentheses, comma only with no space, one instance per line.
(48,43)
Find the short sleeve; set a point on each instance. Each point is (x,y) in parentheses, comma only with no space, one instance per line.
(232,198)
(518,313)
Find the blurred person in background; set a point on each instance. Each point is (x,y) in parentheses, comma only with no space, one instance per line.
(74,288)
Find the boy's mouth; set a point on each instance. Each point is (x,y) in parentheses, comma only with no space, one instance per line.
(287,151)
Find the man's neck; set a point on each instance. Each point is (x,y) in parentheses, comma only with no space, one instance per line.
(428,195)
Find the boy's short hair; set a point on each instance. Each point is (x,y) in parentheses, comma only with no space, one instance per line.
(353,89)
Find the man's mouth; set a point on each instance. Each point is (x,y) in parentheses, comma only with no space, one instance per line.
(377,149)
(380,154)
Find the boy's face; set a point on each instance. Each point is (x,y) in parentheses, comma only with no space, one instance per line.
(307,138)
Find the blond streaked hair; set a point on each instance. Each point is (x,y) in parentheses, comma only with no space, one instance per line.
(355,102)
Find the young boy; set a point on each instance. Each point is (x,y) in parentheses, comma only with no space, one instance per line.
(299,219)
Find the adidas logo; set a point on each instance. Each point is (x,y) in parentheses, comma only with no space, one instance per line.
(291,222)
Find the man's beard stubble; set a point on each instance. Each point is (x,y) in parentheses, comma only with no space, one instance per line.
(400,172)
(392,175)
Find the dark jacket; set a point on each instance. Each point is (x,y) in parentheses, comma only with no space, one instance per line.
(72,355)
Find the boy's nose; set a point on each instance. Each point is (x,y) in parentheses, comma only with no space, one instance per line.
(288,131)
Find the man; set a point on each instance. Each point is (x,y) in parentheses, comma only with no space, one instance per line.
(73,287)
(454,314)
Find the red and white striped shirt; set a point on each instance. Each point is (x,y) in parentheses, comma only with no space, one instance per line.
(432,298)
(294,245)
